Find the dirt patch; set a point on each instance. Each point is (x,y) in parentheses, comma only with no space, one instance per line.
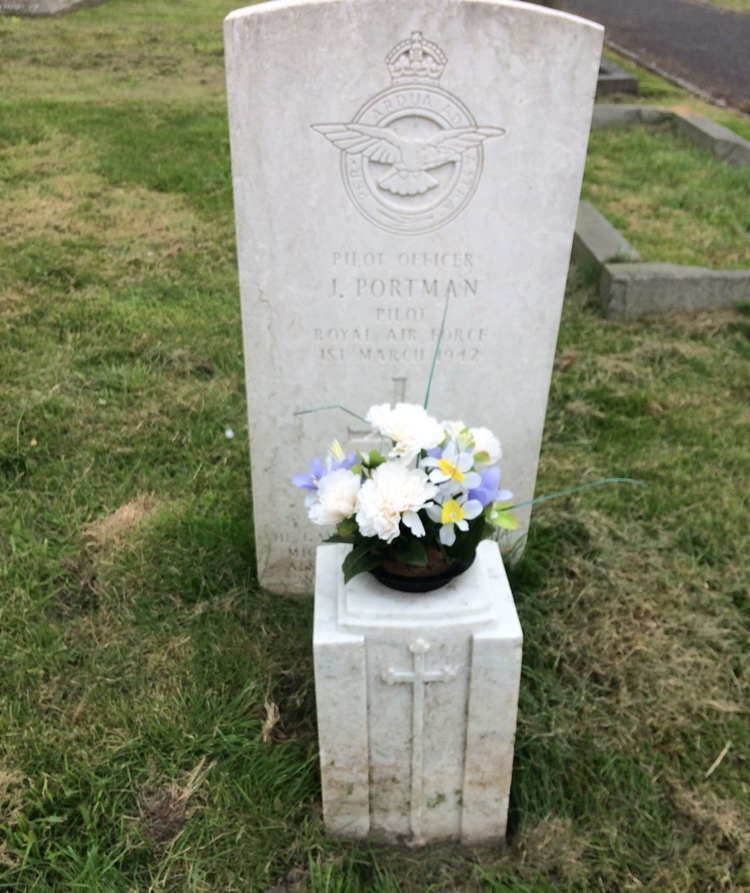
(76,591)
(165,809)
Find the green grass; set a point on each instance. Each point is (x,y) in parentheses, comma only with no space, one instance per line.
(672,200)
(736,5)
(157,723)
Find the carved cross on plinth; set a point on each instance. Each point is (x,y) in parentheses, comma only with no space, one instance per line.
(418,678)
(365,439)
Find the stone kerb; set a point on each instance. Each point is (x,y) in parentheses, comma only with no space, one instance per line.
(630,288)
(34,8)
(629,291)
(613,79)
(708,134)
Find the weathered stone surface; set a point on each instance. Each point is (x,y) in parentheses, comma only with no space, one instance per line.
(617,115)
(43,7)
(417,698)
(597,242)
(724,143)
(377,190)
(614,79)
(629,291)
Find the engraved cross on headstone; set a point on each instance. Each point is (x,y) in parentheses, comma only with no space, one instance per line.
(365,439)
(418,678)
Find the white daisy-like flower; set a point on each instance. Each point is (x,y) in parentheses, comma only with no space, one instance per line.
(486,442)
(453,467)
(335,500)
(409,426)
(454,513)
(393,494)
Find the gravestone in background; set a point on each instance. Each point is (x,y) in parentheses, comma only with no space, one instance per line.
(35,8)
(388,156)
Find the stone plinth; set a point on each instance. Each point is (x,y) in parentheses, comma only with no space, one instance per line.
(417,698)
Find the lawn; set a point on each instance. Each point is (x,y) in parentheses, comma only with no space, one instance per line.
(157,723)
(736,5)
(672,200)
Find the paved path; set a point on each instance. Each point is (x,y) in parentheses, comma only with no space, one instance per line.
(704,46)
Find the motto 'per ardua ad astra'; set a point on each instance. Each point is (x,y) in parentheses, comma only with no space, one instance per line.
(438,490)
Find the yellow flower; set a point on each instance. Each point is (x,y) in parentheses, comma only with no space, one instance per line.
(450,470)
(452,513)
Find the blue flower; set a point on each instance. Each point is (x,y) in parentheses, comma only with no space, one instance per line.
(488,490)
(310,480)
(335,460)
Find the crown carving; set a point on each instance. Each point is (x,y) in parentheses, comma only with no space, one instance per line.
(416,59)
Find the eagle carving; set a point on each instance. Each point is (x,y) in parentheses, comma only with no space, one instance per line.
(410,157)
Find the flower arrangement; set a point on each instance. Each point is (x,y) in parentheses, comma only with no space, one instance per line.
(426,504)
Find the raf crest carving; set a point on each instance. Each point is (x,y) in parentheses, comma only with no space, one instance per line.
(412,157)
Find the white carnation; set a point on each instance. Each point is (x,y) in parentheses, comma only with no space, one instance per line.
(393,494)
(336,497)
(409,426)
(486,442)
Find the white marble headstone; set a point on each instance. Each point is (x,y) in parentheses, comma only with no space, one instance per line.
(388,155)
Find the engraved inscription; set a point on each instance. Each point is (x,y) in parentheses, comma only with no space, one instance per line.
(437,260)
(412,156)
(300,546)
(398,316)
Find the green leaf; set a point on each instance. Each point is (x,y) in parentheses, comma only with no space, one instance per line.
(504,518)
(483,457)
(409,550)
(362,558)
(347,527)
(376,459)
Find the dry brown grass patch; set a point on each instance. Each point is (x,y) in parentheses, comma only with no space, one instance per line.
(721,826)
(127,75)
(553,844)
(12,789)
(664,642)
(11,302)
(110,531)
(270,721)
(708,323)
(149,227)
